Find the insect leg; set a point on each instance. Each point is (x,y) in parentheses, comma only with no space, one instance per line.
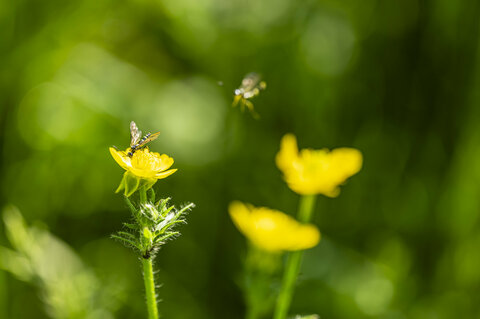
(249,105)
(236,100)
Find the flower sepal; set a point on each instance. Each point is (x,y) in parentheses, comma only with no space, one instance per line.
(131,183)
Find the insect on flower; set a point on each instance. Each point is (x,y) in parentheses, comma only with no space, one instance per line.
(137,141)
(250,87)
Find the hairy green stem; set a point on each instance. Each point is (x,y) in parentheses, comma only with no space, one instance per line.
(148,272)
(143,195)
(150,288)
(294,261)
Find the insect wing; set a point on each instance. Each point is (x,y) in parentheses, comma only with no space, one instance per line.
(148,138)
(135,134)
(250,81)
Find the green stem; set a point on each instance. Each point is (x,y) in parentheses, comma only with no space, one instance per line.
(305,210)
(148,272)
(294,261)
(150,288)
(260,268)
(143,195)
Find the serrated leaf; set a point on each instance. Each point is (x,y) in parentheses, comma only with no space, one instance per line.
(152,195)
(125,241)
(131,226)
(127,235)
(163,238)
(130,205)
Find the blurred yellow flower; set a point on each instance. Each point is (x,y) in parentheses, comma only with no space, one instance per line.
(272,230)
(322,171)
(143,168)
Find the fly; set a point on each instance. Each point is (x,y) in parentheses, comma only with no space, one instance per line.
(137,141)
(250,87)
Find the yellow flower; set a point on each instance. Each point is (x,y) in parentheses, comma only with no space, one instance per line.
(272,230)
(143,168)
(311,172)
(144,164)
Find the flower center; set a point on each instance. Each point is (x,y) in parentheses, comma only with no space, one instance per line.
(265,223)
(144,160)
(313,162)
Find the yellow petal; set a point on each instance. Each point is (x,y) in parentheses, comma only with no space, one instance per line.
(303,237)
(146,164)
(332,193)
(288,153)
(348,161)
(272,230)
(239,214)
(165,174)
(316,171)
(164,162)
(142,172)
(121,158)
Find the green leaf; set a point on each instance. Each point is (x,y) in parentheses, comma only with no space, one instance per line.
(163,203)
(160,240)
(186,208)
(16,229)
(131,226)
(125,241)
(165,212)
(147,234)
(167,226)
(130,205)
(132,183)
(16,263)
(147,239)
(152,195)
(126,235)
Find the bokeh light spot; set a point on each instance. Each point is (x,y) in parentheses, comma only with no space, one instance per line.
(190,115)
(327,44)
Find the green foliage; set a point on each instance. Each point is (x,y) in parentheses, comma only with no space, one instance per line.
(260,282)
(153,225)
(396,79)
(68,288)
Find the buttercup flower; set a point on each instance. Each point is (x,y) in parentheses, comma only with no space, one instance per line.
(322,171)
(144,164)
(143,168)
(272,230)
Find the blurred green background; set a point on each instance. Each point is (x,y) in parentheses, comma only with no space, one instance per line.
(398,80)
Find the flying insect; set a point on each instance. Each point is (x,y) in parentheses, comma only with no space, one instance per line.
(137,141)
(250,87)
